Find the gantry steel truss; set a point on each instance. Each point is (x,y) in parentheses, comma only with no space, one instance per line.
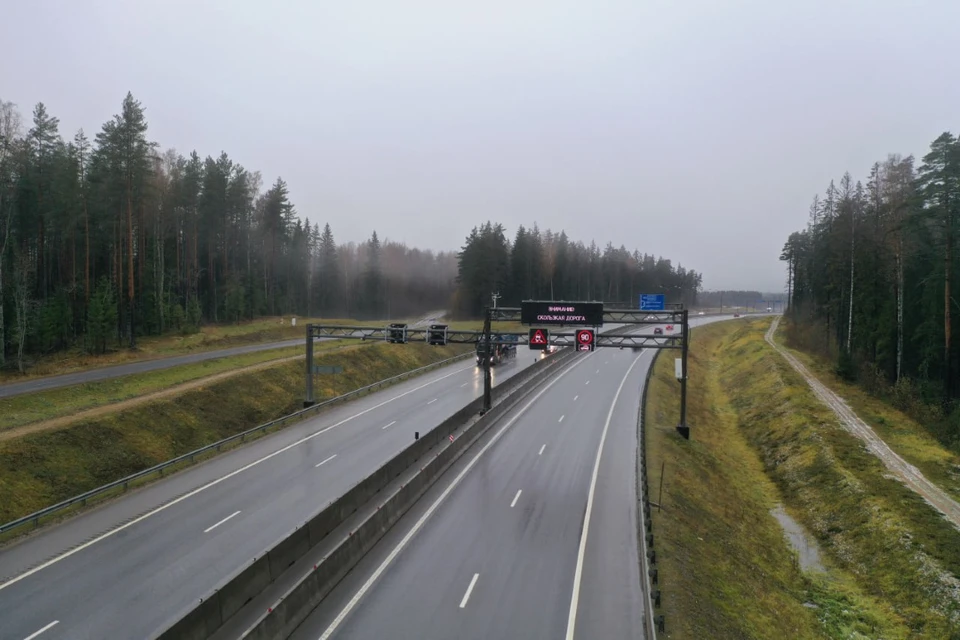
(456,336)
(676,337)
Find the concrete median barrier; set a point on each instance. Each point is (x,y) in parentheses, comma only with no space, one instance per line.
(297,603)
(211,613)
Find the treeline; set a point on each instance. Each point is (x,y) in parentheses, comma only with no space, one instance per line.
(750,299)
(105,240)
(872,277)
(546,265)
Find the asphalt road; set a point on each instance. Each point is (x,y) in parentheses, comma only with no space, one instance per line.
(532,534)
(116,371)
(134,565)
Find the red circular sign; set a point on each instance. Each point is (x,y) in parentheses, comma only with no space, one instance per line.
(585,336)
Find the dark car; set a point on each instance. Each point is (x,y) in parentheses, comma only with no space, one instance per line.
(658,331)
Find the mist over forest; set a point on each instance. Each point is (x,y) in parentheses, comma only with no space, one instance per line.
(108,237)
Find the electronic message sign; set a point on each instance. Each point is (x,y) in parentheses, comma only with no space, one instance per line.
(585,340)
(539,339)
(561,313)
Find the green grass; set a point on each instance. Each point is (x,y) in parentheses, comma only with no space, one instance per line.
(910,439)
(44,468)
(35,407)
(758,437)
(208,338)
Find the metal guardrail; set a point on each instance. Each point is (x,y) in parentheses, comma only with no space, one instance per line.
(649,573)
(189,457)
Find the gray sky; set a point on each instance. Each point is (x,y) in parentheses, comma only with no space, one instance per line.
(694,129)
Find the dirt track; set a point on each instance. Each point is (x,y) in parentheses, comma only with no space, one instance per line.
(903,470)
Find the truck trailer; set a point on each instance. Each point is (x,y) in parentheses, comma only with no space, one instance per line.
(501,347)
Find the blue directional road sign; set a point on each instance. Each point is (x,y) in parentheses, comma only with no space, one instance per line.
(651,302)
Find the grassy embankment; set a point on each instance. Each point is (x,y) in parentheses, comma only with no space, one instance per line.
(44,468)
(31,408)
(208,338)
(759,438)
(912,440)
(37,409)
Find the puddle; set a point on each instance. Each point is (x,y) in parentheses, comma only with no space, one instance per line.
(805,546)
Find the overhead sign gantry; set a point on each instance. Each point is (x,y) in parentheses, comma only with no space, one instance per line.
(583,318)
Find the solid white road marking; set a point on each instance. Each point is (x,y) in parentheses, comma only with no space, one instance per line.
(515,498)
(432,401)
(466,596)
(212,483)
(578,574)
(464,384)
(36,633)
(209,529)
(388,425)
(541,450)
(433,507)
(327,460)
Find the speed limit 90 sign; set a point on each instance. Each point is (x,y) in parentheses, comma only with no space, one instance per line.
(585,340)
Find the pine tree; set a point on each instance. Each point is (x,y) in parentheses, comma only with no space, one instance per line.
(372,296)
(9,133)
(939,186)
(329,294)
(43,138)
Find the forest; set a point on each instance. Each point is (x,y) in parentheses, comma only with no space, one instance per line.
(742,299)
(107,239)
(872,282)
(546,265)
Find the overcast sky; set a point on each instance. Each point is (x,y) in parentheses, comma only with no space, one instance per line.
(694,129)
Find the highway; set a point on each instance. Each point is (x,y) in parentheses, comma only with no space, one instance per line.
(532,534)
(134,565)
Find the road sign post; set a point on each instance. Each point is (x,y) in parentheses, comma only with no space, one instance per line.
(488,349)
(308,400)
(682,428)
